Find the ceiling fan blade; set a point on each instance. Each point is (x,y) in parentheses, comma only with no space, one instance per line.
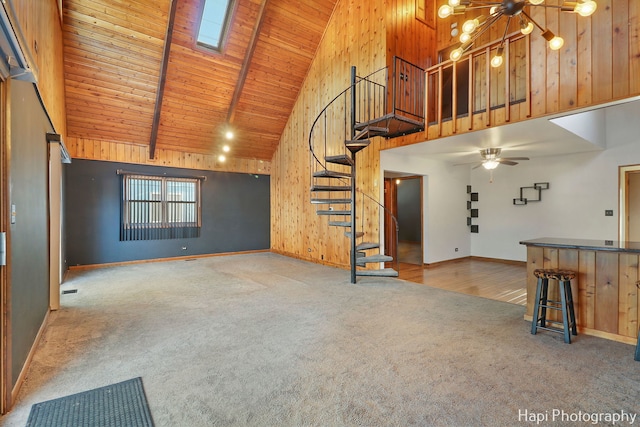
(477,166)
(466,164)
(506,162)
(515,158)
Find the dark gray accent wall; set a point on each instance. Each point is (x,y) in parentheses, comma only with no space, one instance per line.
(409,213)
(29,249)
(235,214)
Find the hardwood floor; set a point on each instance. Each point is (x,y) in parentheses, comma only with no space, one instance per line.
(488,279)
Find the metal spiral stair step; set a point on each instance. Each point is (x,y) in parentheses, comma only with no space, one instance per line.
(333,212)
(331,174)
(385,272)
(340,223)
(330,188)
(373,258)
(358,234)
(322,201)
(341,159)
(367,245)
(365,129)
(356,145)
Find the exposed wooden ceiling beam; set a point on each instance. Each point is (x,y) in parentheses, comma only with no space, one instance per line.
(163,78)
(247,61)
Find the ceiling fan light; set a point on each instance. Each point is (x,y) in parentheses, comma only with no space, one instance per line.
(490,164)
(465,37)
(493,10)
(454,3)
(536,2)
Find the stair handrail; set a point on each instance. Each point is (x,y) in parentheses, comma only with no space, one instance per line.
(324,110)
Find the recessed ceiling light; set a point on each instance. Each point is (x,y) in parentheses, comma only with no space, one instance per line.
(226,148)
(222,158)
(229,135)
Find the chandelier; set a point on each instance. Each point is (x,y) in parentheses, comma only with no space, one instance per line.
(512,9)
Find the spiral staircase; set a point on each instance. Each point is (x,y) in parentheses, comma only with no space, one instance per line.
(381,104)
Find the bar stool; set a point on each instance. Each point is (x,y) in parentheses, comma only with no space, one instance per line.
(565,305)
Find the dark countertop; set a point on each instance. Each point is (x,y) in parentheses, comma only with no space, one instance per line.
(584,244)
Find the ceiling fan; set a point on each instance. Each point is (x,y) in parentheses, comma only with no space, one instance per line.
(491,159)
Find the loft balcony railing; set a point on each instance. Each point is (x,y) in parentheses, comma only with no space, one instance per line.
(471,87)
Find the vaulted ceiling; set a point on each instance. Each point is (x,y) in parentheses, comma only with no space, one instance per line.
(128,79)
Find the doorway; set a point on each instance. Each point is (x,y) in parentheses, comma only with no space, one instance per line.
(630,203)
(403,198)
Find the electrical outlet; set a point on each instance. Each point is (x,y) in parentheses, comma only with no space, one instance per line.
(456,249)
(608,212)
(184,248)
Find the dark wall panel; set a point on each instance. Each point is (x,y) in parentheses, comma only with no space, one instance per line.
(409,212)
(29,234)
(235,214)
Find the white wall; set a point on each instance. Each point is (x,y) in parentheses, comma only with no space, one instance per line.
(444,203)
(581,187)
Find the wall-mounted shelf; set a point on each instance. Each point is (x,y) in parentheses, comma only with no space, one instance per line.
(473,212)
(535,191)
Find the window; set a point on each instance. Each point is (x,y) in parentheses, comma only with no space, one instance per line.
(214,22)
(157,207)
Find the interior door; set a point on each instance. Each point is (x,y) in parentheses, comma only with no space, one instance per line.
(633,206)
(390,202)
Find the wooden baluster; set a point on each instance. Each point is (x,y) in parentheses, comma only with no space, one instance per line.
(471,91)
(507,82)
(440,101)
(487,61)
(454,96)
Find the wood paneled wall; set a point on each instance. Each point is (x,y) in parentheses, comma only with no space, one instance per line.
(41,25)
(599,63)
(579,75)
(365,35)
(89,149)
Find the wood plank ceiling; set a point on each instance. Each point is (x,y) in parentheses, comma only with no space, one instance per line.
(113,54)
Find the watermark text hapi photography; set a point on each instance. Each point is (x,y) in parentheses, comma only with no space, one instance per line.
(559,415)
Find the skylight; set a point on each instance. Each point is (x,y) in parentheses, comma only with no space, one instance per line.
(213,25)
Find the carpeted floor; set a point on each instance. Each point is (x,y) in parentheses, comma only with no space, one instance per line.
(266,340)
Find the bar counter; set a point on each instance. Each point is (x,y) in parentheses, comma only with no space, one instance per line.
(606,291)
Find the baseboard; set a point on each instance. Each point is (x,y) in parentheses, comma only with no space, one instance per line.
(178,258)
(500,260)
(309,259)
(475,258)
(27,363)
(446,261)
(599,334)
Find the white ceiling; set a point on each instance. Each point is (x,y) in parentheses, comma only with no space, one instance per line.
(577,132)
